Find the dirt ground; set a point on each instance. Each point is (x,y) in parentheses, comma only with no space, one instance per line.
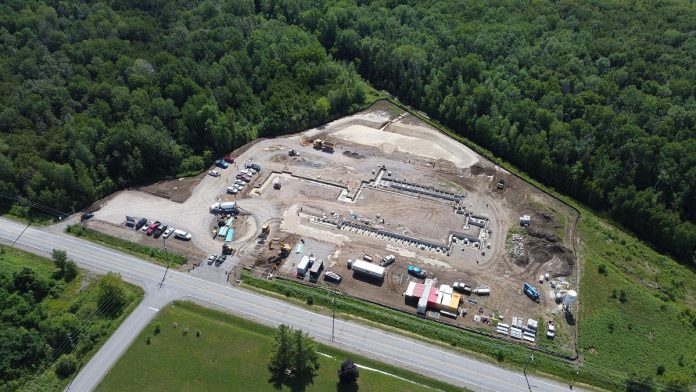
(353,184)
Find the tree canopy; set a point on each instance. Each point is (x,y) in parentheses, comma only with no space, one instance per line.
(98,95)
(594,98)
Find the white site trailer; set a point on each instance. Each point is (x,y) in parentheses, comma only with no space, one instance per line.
(368,269)
(304,265)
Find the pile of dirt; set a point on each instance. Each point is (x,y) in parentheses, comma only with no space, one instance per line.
(547,250)
(479,169)
(535,232)
(353,155)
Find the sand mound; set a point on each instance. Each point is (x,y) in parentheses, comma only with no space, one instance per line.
(389,142)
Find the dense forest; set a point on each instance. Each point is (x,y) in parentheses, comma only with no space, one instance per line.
(594,98)
(96,95)
(51,318)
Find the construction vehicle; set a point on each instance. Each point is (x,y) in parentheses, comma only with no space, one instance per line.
(293,153)
(284,247)
(227,249)
(324,145)
(501,184)
(265,230)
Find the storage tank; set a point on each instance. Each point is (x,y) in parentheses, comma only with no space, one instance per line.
(570,298)
(485,290)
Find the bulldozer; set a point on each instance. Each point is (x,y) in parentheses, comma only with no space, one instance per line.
(265,230)
(227,249)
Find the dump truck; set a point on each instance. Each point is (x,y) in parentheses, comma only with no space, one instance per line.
(328,146)
(320,144)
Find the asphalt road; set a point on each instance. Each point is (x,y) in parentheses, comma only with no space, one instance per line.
(391,348)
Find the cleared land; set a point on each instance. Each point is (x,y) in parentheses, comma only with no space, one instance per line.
(232,355)
(377,150)
(647,322)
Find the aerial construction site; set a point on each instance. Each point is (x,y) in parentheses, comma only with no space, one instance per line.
(383,207)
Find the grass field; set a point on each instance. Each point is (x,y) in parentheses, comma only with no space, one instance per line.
(155,255)
(78,297)
(635,319)
(231,354)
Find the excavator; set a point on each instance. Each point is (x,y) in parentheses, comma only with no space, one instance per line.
(283,252)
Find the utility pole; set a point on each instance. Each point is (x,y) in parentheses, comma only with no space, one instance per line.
(20,234)
(524,370)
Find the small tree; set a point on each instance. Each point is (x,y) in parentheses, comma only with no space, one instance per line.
(60,257)
(111,295)
(282,350)
(348,373)
(305,354)
(158,327)
(67,364)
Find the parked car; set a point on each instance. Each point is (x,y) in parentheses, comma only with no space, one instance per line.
(220,259)
(146,226)
(333,276)
(551,330)
(159,230)
(214,173)
(416,271)
(211,259)
(233,190)
(461,287)
(86,216)
(228,159)
(222,164)
(182,235)
(140,223)
(151,229)
(168,232)
(246,177)
(387,261)
(253,166)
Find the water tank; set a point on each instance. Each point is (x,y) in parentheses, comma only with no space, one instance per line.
(570,298)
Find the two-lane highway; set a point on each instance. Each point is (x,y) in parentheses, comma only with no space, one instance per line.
(430,360)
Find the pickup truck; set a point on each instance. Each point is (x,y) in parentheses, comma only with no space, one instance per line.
(151,229)
(416,272)
(159,230)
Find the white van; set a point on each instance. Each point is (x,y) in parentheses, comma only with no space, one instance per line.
(182,235)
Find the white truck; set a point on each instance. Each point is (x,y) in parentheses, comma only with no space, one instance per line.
(182,235)
(367,269)
(225,207)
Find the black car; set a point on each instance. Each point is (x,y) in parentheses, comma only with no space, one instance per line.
(140,223)
(221,259)
(159,230)
(87,215)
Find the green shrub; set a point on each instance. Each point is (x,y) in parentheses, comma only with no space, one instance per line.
(66,365)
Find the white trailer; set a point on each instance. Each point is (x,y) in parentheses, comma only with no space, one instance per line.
(303,266)
(368,269)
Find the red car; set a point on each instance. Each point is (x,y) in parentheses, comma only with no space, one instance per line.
(228,159)
(152,228)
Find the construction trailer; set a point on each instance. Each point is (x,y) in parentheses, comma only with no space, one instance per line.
(425,297)
(366,269)
(315,270)
(304,265)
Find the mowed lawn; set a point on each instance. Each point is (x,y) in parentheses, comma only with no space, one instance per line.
(231,354)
